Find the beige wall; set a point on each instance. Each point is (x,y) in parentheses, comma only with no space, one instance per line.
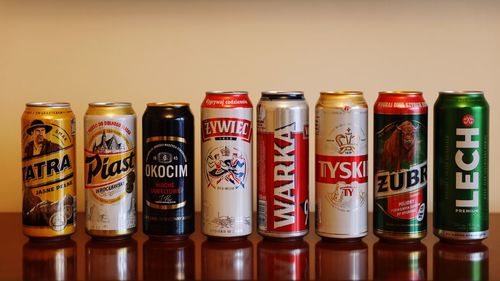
(143,51)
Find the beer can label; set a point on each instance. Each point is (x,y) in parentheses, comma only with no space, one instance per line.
(110,172)
(48,165)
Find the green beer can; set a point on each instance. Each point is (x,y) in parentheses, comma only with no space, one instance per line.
(461,135)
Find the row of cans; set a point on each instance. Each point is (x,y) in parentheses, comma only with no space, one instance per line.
(341,167)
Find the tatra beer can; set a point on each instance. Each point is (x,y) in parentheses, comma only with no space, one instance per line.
(110,170)
(341,165)
(461,136)
(400,166)
(283,178)
(48,165)
(226,164)
(168,170)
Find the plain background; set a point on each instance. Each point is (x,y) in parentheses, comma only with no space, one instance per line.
(144,51)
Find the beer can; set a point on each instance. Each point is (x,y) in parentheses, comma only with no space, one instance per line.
(400,166)
(226,164)
(49,261)
(341,165)
(48,165)
(341,261)
(227,260)
(282,157)
(165,260)
(453,261)
(399,261)
(283,261)
(168,170)
(461,140)
(110,170)
(111,260)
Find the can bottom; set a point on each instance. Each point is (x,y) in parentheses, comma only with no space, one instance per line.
(283,236)
(49,239)
(226,238)
(400,237)
(167,238)
(341,237)
(460,237)
(342,240)
(111,234)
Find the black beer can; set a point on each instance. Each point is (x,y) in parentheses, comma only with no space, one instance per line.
(168,170)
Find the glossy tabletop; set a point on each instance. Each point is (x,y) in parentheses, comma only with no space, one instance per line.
(139,258)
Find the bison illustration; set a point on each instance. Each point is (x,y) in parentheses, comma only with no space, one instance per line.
(400,146)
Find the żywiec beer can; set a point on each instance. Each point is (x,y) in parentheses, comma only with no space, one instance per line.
(341,261)
(461,136)
(226,164)
(48,162)
(110,170)
(168,170)
(468,261)
(400,166)
(283,261)
(282,157)
(342,165)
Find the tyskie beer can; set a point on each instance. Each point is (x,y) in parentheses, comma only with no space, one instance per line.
(168,170)
(341,165)
(226,164)
(400,166)
(48,167)
(110,170)
(282,164)
(283,261)
(461,139)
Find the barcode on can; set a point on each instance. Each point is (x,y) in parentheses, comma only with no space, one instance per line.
(262,214)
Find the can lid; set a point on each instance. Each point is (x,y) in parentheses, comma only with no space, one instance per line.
(342,93)
(110,104)
(168,104)
(400,93)
(48,104)
(283,95)
(461,93)
(227,93)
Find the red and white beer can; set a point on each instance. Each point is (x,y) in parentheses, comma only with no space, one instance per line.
(341,165)
(282,157)
(226,164)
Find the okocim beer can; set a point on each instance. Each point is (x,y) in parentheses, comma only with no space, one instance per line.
(226,164)
(48,165)
(168,170)
(461,166)
(282,157)
(400,166)
(342,165)
(110,170)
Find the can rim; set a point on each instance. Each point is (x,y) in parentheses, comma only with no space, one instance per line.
(282,93)
(350,93)
(462,93)
(168,104)
(400,93)
(110,104)
(48,104)
(227,93)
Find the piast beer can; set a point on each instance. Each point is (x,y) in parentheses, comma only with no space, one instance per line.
(168,170)
(283,152)
(400,160)
(461,136)
(342,165)
(49,188)
(110,170)
(226,164)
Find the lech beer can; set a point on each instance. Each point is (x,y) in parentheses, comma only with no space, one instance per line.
(226,168)
(168,170)
(461,136)
(110,170)
(342,165)
(283,152)
(400,160)
(49,187)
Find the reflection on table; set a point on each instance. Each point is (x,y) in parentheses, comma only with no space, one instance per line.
(227,260)
(283,260)
(173,260)
(341,261)
(460,262)
(399,261)
(49,261)
(111,260)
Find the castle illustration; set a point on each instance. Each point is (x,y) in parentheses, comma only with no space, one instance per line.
(107,145)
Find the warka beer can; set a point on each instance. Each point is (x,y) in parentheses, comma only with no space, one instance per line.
(226,164)
(400,166)
(110,170)
(342,165)
(49,189)
(282,157)
(461,136)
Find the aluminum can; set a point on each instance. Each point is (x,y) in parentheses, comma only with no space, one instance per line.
(168,170)
(341,165)
(282,164)
(399,261)
(110,170)
(49,261)
(164,260)
(111,260)
(48,165)
(400,166)
(461,142)
(226,164)
(227,260)
(453,261)
(283,261)
(341,261)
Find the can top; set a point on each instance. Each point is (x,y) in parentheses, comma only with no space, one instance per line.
(400,93)
(461,93)
(342,93)
(227,93)
(283,95)
(48,104)
(110,104)
(168,104)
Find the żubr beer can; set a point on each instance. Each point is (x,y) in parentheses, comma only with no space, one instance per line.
(400,166)
(49,187)
(168,170)
(110,170)
(461,136)
(226,164)
(283,152)
(342,165)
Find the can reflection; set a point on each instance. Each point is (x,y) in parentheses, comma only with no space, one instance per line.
(169,260)
(399,261)
(227,260)
(341,261)
(49,260)
(460,261)
(283,260)
(111,260)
